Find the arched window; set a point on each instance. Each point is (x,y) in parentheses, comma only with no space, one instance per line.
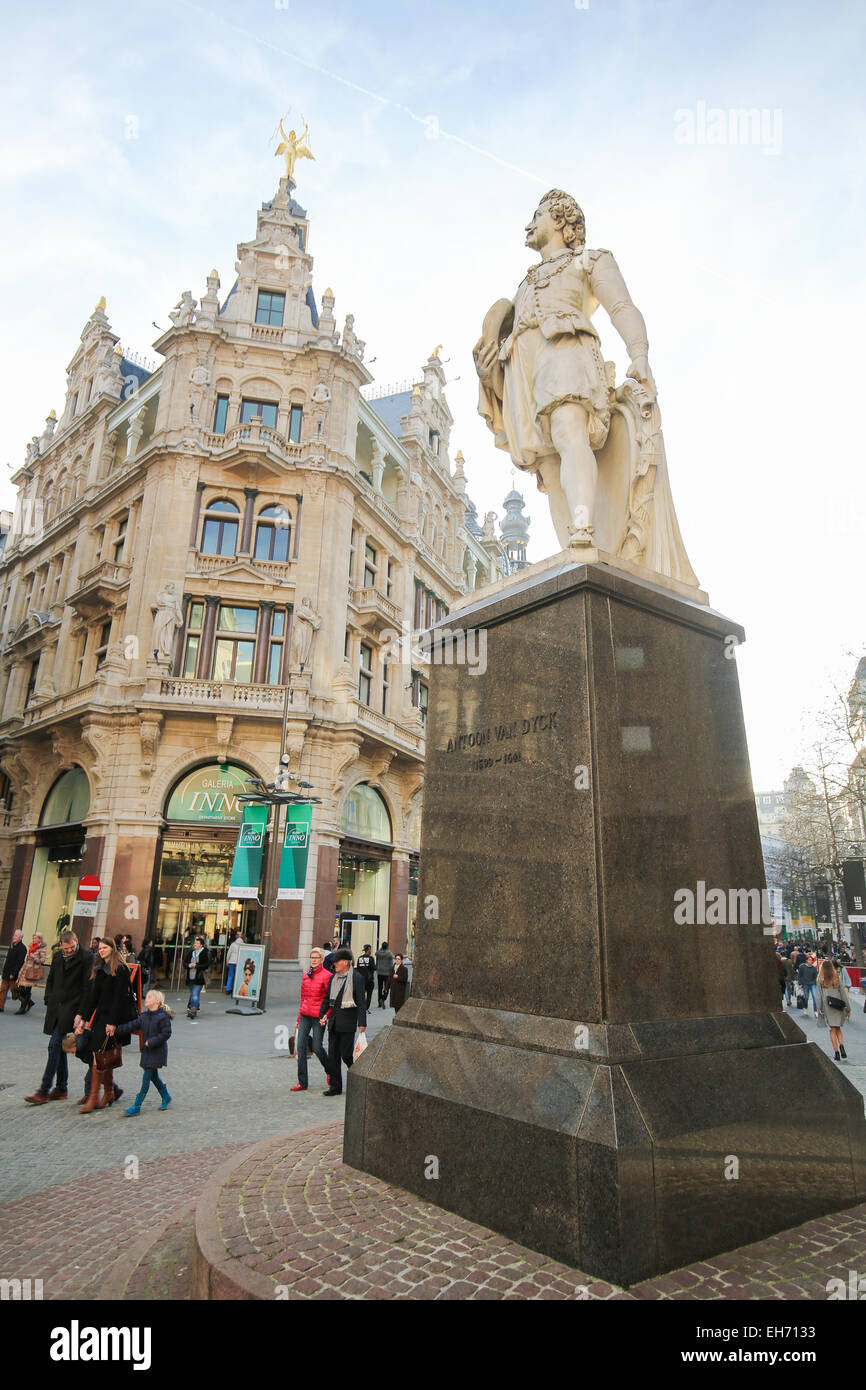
(220,531)
(273,534)
(69,799)
(365,815)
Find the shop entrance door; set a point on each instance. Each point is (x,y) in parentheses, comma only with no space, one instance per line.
(358,932)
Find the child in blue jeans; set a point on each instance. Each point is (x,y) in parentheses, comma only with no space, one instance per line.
(155,1028)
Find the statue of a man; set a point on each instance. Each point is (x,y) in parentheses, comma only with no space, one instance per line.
(305,624)
(544,390)
(168,617)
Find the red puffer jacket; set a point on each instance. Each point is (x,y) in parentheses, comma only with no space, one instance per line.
(313,992)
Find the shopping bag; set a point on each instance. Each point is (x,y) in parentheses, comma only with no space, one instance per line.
(360,1046)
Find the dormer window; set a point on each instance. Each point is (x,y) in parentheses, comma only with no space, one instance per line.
(266,411)
(270,308)
(434,443)
(220,531)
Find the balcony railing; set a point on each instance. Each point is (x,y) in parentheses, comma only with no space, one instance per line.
(250,434)
(374,609)
(212,564)
(387,729)
(197,692)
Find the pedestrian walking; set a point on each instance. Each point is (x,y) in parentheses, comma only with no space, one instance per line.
(15,958)
(195,964)
(367,967)
(807,974)
(834,1005)
(329,948)
(232,955)
(384,966)
(790,979)
(146,961)
(154,1025)
(399,984)
(108,1002)
(780,968)
(32,973)
(345,1008)
(315,983)
(65,989)
(125,950)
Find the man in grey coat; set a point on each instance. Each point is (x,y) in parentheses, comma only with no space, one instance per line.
(384,966)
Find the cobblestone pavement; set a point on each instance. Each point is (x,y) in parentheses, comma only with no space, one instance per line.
(229,1080)
(298,1224)
(53,1235)
(231,1087)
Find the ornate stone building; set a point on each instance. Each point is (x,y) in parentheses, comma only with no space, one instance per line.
(189,539)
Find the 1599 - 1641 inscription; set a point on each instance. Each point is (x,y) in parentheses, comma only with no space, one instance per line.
(500,733)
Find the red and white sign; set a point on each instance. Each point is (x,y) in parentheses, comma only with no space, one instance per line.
(88,891)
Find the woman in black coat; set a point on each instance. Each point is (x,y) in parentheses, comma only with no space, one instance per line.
(399,984)
(108,1002)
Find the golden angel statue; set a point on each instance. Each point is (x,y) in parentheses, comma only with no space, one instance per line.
(292,147)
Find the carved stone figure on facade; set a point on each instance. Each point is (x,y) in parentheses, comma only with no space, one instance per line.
(305,624)
(168,617)
(351,342)
(547,394)
(183,313)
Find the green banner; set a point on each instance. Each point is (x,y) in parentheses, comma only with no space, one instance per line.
(296,849)
(247,868)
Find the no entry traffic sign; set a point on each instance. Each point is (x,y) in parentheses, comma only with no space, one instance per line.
(88,888)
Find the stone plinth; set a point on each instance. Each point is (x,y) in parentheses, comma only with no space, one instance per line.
(593,1077)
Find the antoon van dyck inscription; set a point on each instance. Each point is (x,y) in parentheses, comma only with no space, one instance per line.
(498,733)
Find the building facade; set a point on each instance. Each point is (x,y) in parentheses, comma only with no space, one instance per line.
(190,539)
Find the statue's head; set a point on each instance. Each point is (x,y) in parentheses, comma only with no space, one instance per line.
(557,213)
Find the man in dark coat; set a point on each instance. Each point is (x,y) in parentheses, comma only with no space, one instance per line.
(64,995)
(15,958)
(342,1022)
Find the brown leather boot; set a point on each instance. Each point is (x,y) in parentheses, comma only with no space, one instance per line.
(91,1102)
(107,1097)
(38,1098)
(59,1093)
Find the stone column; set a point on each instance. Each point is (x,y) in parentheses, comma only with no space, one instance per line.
(260,669)
(196,516)
(297,536)
(250,493)
(399,903)
(19,885)
(205,652)
(134,431)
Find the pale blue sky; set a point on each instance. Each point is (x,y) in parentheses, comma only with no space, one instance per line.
(747,263)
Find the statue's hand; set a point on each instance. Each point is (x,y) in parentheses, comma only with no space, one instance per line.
(486,357)
(639,370)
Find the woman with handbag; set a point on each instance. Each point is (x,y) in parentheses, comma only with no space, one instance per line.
(32,974)
(107,1002)
(834,1005)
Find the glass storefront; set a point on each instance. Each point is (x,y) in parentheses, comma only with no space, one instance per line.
(57,858)
(364,870)
(195,863)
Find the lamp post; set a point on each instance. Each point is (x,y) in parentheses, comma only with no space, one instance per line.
(277,795)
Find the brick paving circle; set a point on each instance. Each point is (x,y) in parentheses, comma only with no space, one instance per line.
(290,1220)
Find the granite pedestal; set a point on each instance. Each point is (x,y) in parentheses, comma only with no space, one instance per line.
(578,1067)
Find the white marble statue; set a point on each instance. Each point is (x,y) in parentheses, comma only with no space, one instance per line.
(549,398)
(183,313)
(305,624)
(168,617)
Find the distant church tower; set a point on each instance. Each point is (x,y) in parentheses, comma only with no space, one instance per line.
(515,532)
